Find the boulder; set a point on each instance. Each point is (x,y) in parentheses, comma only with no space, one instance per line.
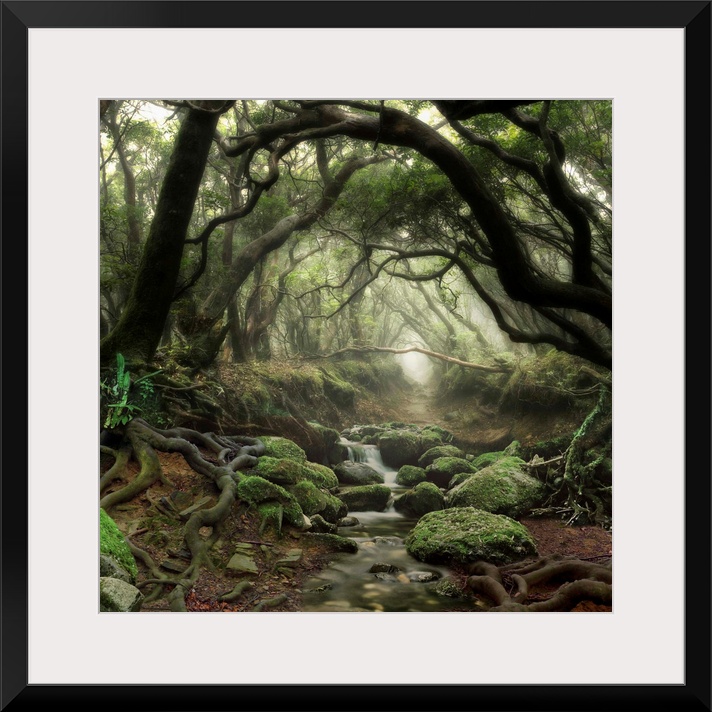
(109,568)
(118,596)
(369,498)
(312,500)
(410,475)
(113,545)
(465,534)
(429,456)
(357,473)
(273,501)
(399,447)
(282,448)
(424,498)
(443,469)
(501,488)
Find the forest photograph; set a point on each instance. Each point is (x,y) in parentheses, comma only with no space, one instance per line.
(355,355)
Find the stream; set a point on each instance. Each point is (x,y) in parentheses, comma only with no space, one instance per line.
(381,575)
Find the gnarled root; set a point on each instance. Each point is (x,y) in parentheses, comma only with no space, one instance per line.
(586,581)
(230,453)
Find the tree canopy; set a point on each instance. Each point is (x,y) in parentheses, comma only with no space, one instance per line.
(301,227)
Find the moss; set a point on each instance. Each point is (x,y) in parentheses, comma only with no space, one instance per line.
(399,447)
(112,543)
(429,456)
(409,475)
(271,516)
(459,478)
(449,466)
(279,471)
(465,534)
(330,436)
(283,448)
(487,459)
(310,498)
(334,542)
(400,425)
(313,500)
(257,490)
(425,497)
(501,488)
(429,439)
(546,382)
(320,475)
(445,435)
(547,449)
(340,392)
(366,498)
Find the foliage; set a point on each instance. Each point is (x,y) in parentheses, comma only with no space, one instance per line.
(117,390)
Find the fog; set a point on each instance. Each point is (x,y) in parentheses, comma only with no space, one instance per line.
(416,366)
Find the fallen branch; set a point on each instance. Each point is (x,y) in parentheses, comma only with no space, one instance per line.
(418,349)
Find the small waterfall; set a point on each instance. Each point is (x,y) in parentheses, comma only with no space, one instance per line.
(381,576)
(370,455)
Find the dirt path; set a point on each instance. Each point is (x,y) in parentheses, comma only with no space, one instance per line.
(418,408)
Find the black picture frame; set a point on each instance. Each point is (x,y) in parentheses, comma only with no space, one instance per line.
(19,16)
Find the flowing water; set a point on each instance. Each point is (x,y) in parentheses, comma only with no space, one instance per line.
(381,576)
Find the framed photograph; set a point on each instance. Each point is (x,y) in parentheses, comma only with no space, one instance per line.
(648,61)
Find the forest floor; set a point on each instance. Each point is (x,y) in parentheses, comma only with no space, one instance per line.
(478,428)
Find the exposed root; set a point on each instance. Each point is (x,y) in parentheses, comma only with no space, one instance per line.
(584,581)
(232,453)
(118,470)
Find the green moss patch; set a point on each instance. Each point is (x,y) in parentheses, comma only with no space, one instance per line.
(409,476)
(501,488)
(429,456)
(112,543)
(283,448)
(465,534)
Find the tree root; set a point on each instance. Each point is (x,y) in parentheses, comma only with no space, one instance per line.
(231,454)
(585,581)
(118,469)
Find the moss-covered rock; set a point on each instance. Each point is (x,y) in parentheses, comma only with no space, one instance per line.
(410,475)
(334,542)
(357,473)
(459,478)
(514,449)
(445,435)
(429,456)
(443,469)
(369,498)
(279,471)
(428,439)
(330,435)
(321,475)
(399,447)
(256,490)
(487,458)
(464,534)
(312,500)
(423,498)
(282,448)
(400,425)
(501,488)
(113,544)
(335,451)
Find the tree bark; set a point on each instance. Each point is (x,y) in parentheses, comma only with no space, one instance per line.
(138,332)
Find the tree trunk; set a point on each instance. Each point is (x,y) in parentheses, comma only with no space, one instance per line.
(140,327)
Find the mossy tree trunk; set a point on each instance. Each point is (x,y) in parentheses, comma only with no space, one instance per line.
(138,331)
